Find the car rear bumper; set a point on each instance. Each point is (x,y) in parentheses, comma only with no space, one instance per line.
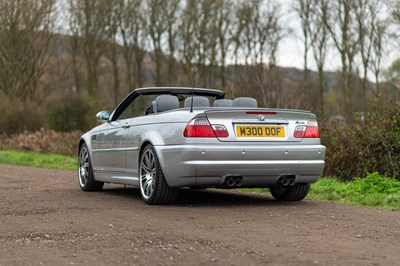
(258,165)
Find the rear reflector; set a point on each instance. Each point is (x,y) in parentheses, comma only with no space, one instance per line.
(201,128)
(309,131)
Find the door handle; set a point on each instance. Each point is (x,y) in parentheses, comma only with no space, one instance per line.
(125,125)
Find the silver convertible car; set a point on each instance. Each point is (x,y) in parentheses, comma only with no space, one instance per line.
(163,139)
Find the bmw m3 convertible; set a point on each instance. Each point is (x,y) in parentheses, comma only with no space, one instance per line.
(162,139)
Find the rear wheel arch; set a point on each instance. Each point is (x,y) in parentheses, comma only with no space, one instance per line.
(142,147)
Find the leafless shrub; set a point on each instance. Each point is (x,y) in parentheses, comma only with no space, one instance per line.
(42,141)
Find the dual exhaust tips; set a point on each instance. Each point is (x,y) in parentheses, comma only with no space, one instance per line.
(287,180)
(237,181)
(233,181)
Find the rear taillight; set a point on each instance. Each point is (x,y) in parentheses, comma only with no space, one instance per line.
(309,131)
(201,128)
(312,132)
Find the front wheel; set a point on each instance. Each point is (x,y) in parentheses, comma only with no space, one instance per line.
(85,171)
(292,193)
(153,186)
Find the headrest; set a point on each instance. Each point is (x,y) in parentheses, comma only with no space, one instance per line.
(198,101)
(245,102)
(223,103)
(164,103)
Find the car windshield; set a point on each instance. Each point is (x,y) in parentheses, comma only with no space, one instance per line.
(139,102)
(141,105)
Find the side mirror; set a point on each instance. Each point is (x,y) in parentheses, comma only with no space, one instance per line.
(103,116)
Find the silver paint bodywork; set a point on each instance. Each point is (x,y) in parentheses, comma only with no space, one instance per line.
(115,148)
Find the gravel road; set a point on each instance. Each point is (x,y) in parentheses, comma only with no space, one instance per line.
(47,220)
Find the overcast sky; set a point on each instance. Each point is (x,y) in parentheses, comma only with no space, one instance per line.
(290,53)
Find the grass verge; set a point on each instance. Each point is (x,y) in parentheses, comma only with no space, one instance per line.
(372,191)
(50,161)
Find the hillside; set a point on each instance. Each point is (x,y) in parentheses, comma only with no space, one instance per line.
(59,74)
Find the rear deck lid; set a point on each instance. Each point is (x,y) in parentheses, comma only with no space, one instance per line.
(259,125)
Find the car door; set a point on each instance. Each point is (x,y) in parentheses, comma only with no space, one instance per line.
(137,128)
(111,148)
(136,131)
(121,142)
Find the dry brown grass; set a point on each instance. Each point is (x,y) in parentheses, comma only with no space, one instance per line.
(43,141)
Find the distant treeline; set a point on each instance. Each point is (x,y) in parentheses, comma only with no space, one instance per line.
(233,43)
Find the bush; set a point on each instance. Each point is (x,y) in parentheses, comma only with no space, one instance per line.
(71,114)
(365,145)
(43,141)
(17,116)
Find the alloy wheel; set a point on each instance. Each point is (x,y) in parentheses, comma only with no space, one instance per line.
(147,174)
(83,166)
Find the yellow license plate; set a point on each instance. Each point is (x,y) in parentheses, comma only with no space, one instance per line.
(260,131)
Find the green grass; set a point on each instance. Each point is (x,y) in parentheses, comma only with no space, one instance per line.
(50,161)
(371,191)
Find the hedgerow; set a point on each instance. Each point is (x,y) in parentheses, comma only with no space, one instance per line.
(370,144)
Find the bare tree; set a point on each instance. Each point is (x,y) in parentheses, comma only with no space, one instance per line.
(304,9)
(224,20)
(340,21)
(76,52)
(25,33)
(318,34)
(157,29)
(207,27)
(172,8)
(133,28)
(366,15)
(269,32)
(257,33)
(112,16)
(188,28)
(394,7)
(379,39)
(88,22)
(244,31)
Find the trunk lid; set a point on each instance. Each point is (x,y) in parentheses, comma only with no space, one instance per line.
(259,125)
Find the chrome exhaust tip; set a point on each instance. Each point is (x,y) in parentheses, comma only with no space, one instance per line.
(230,182)
(285,181)
(239,182)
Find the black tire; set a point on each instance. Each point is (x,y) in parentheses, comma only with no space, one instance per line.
(153,186)
(292,193)
(86,179)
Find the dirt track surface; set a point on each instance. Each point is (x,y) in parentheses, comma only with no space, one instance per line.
(47,220)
